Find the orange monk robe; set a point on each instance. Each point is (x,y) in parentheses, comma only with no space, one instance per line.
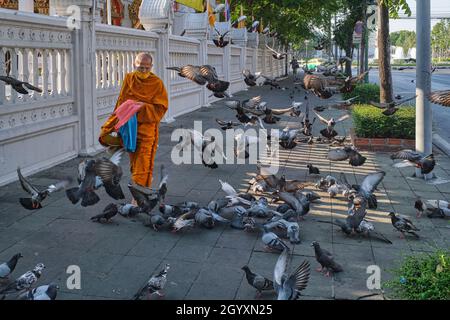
(153,94)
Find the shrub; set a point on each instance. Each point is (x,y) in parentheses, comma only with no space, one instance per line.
(367,92)
(370,122)
(422,277)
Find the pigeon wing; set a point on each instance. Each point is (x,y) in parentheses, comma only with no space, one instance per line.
(26,185)
(441,97)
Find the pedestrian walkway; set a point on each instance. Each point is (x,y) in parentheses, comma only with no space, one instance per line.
(117,258)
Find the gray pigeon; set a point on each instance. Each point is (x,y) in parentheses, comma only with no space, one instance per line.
(128,210)
(155,284)
(46,292)
(110,172)
(25,281)
(85,191)
(298,202)
(204,218)
(8,267)
(110,211)
(272,241)
(237,222)
(289,287)
(259,208)
(257,281)
(403,225)
(326,260)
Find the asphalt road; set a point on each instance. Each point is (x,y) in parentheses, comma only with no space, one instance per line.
(440,80)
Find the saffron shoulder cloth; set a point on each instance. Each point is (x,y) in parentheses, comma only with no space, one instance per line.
(153,96)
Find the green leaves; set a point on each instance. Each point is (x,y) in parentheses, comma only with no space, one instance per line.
(422,281)
(370,122)
(403,38)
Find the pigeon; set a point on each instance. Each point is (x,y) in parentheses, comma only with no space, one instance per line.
(85,191)
(19,86)
(325,259)
(272,241)
(25,281)
(275,54)
(183,221)
(8,267)
(110,173)
(348,152)
(270,81)
(128,210)
(233,197)
(226,125)
(156,221)
(146,198)
(441,97)
(439,208)
(369,229)
(364,194)
(249,78)
(220,42)
(155,284)
(352,222)
(420,207)
(110,211)
(257,281)
(45,292)
(312,169)
(162,186)
(329,132)
(289,287)
(426,163)
(237,222)
(204,218)
(292,230)
(37,196)
(403,225)
(172,211)
(300,205)
(391,108)
(259,208)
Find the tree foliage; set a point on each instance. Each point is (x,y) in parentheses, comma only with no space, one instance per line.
(440,38)
(403,38)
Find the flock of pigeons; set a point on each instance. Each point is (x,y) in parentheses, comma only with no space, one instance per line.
(239,210)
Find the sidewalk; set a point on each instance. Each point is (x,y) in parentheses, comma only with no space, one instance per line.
(116,259)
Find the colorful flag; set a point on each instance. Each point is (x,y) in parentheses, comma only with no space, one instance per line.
(211,16)
(227,11)
(198,5)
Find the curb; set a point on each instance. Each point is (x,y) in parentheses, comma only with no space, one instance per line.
(441,143)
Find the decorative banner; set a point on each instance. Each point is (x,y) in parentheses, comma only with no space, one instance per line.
(227,11)
(211,16)
(242,23)
(195,4)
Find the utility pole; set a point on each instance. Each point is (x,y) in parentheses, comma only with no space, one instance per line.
(423,79)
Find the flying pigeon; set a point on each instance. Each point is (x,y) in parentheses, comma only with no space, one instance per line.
(250,78)
(289,287)
(155,284)
(19,86)
(348,152)
(257,281)
(37,196)
(325,259)
(329,132)
(277,55)
(85,191)
(391,107)
(440,97)
(220,42)
(110,173)
(426,163)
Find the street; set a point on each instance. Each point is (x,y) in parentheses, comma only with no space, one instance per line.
(403,86)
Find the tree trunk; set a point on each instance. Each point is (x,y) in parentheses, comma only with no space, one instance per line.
(384,54)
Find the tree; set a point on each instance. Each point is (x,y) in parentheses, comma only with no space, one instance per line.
(387,8)
(403,38)
(440,39)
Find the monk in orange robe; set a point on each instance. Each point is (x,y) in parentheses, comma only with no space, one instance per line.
(143,87)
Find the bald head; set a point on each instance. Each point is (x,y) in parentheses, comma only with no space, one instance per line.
(143,62)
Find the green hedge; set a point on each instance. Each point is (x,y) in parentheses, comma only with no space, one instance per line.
(422,277)
(367,92)
(369,122)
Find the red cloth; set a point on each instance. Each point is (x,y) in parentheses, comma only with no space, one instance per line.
(125,111)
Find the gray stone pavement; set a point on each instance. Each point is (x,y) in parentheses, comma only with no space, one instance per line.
(117,258)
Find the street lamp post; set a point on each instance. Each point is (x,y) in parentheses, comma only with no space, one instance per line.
(423,79)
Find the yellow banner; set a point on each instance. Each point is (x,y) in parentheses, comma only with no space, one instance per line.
(242,23)
(195,4)
(211,16)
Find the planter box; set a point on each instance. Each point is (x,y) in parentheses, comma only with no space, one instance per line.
(381,144)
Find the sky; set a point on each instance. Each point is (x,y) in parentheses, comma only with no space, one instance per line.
(438,7)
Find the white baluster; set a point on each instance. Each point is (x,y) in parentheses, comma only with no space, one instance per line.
(114,69)
(14,72)
(68,69)
(98,70)
(109,72)
(35,74)
(104,70)
(54,74)
(24,71)
(120,70)
(45,73)
(2,71)
(62,75)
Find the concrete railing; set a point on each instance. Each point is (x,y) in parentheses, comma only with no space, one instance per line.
(81,84)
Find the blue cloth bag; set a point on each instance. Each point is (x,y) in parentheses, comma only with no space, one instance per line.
(128,132)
